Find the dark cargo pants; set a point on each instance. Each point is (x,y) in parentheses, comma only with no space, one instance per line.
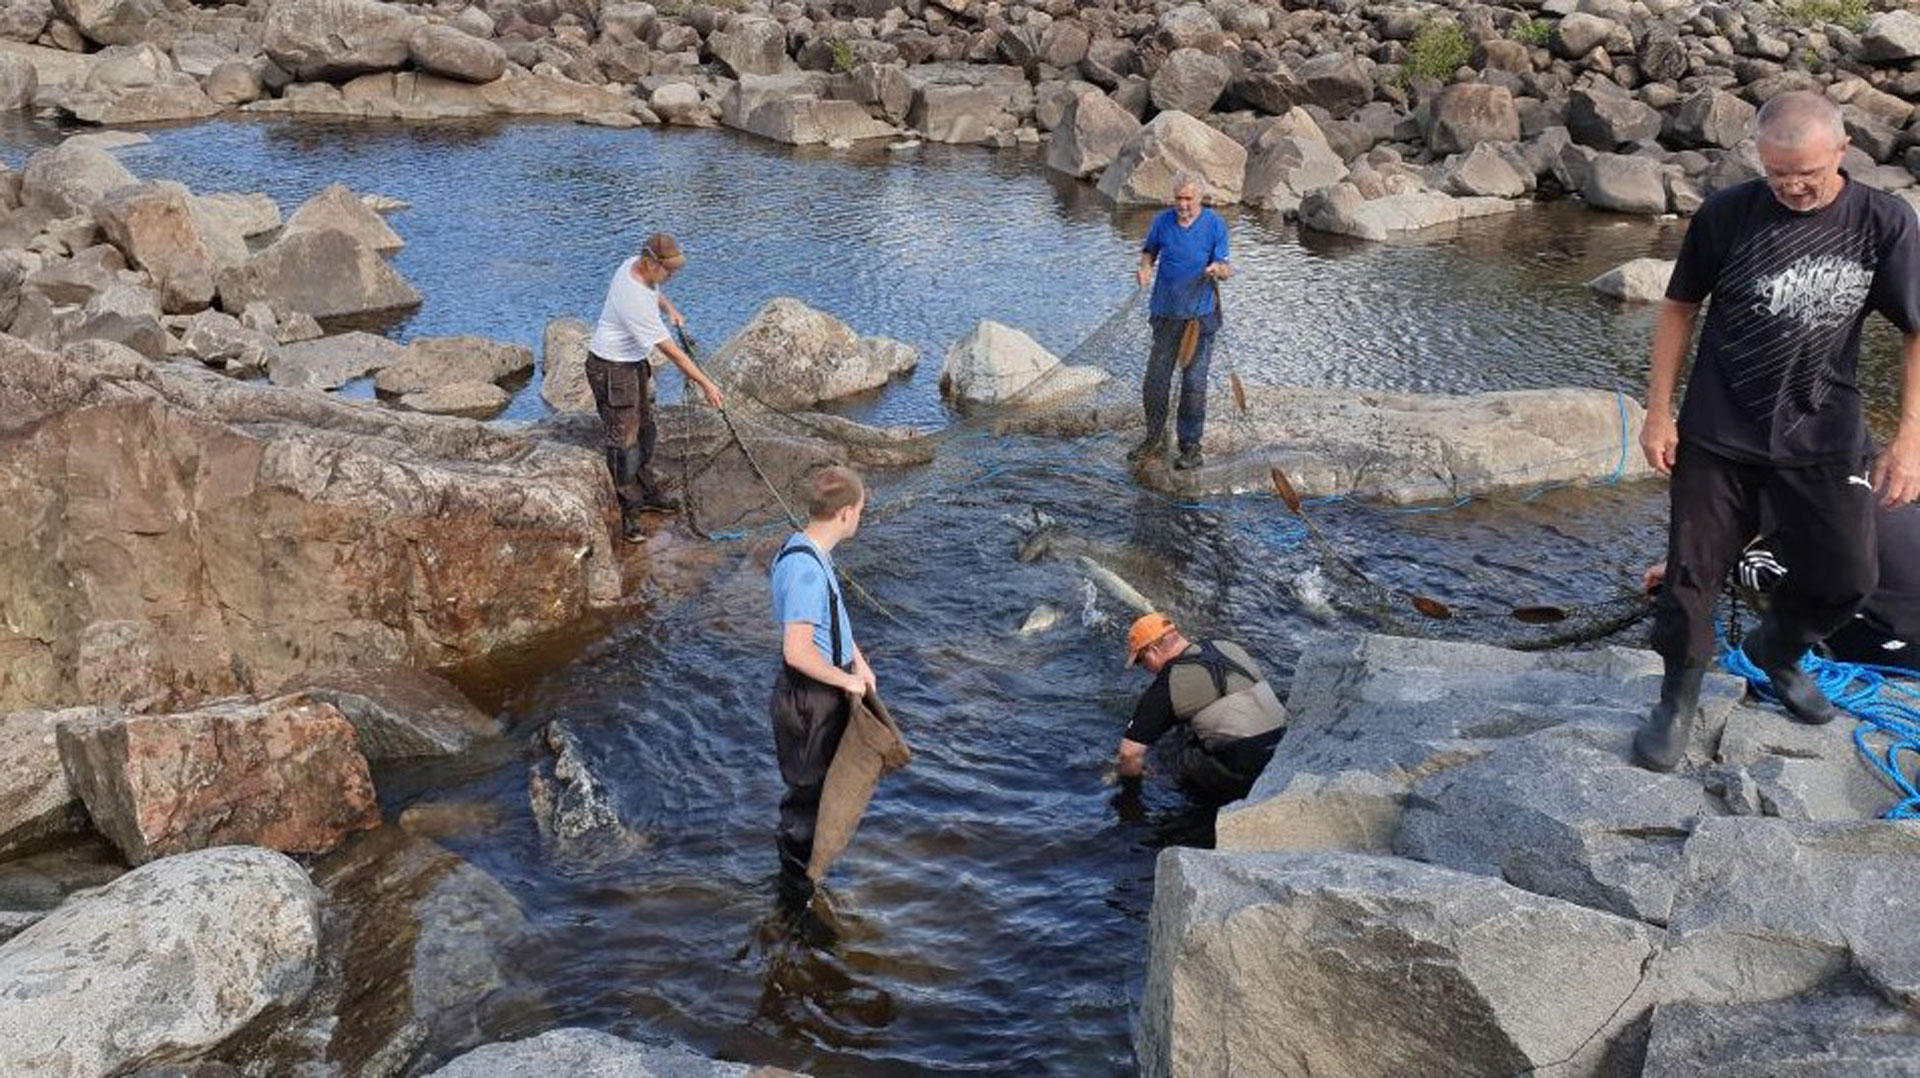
(629,434)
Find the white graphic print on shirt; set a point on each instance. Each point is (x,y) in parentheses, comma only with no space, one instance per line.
(1818,292)
(1797,290)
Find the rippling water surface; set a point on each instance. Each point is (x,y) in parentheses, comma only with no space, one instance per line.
(991,916)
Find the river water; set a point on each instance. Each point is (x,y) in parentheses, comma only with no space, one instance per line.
(991,915)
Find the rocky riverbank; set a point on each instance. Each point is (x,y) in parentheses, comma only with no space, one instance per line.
(1360,119)
(1452,867)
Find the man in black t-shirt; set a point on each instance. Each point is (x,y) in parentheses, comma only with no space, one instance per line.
(1794,263)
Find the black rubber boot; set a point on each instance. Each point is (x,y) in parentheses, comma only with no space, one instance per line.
(1796,691)
(1148,447)
(1663,736)
(1189,459)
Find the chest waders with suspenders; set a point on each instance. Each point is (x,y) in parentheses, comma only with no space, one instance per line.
(833,600)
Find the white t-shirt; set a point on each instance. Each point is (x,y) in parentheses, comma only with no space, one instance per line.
(630,322)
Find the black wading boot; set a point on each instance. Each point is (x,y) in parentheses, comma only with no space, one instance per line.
(1150,446)
(1795,690)
(1663,736)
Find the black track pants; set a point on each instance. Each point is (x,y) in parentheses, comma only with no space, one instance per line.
(1825,538)
(809,718)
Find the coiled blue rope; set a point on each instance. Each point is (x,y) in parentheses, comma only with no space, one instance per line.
(1886,700)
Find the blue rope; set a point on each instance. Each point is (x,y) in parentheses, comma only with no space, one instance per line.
(1886,700)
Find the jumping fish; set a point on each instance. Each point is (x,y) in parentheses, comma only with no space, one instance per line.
(1044,617)
(1111,583)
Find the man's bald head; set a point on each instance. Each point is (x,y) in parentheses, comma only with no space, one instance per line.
(1800,118)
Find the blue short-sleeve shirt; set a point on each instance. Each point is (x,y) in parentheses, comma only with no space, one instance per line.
(1181,255)
(800,589)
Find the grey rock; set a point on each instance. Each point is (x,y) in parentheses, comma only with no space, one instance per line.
(36,804)
(336,208)
(1484,172)
(1662,56)
(563,366)
(1189,80)
(331,362)
(34,884)
(809,121)
(1891,37)
(1801,772)
(1841,1031)
(25,20)
(878,86)
(1578,34)
(220,935)
(67,180)
(475,400)
(153,224)
(587,1052)
(1187,25)
(1607,120)
(1091,132)
(232,84)
(440,49)
(335,40)
(19,80)
(1342,210)
(1288,162)
(1000,365)
(1272,92)
(1144,170)
(1713,118)
(1769,909)
(1506,981)
(220,340)
(959,114)
(245,215)
(796,356)
(680,103)
(1467,114)
(434,362)
(1336,82)
(751,45)
(572,806)
(327,274)
(1642,280)
(401,713)
(110,22)
(1625,185)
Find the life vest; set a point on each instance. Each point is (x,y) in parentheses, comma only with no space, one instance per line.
(1217,688)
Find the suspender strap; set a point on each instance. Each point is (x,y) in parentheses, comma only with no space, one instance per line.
(1217,665)
(833,595)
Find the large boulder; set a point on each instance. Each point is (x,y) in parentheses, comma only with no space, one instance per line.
(751,45)
(1643,280)
(1388,967)
(433,362)
(960,114)
(335,40)
(1891,37)
(1336,82)
(223,341)
(1190,81)
(285,774)
(331,362)
(790,355)
(111,22)
(475,400)
(811,121)
(588,1052)
(1713,118)
(1607,118)
(1579,33)
(166,963)
(1483,172)
(1144,170)
(1289,161)
(400,713)
(338,208)
(1469,113)
(1625,184)
(1091,132)
(563,366)
(249,537)
(66,180)
(327,274)
(153,224)
(36,804)
(1000,365)
(441,49)
(1341,209)
(1839,1031)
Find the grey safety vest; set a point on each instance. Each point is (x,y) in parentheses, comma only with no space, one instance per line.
(1218,689)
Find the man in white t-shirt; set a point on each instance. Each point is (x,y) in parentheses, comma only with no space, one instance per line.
(630,331)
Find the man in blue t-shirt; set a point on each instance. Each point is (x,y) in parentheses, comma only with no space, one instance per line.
(1793,263)
(821,668)
(1188,246)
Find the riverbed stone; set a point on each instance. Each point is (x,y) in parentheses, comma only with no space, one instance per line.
(475,400)
(220,340)
(288,533)
(331,362)
(335,40)
(36,804)
(166,962)
(591,1052)
(1143,171)
(285,773)
(1343,210)
(441,49)
(1642,280)
(811,121)
(998,365)
(1289,161)
(232,83)
(1189,80)
(1625,185)
(432,362)
(1482,172)
(573,806)
(400,713)
(66,180)
(1506,981)
(563,366)
(154,226)
(326,273)
(680,103)
(791,355)
(1091,131)
(337,208)
(1467,114)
